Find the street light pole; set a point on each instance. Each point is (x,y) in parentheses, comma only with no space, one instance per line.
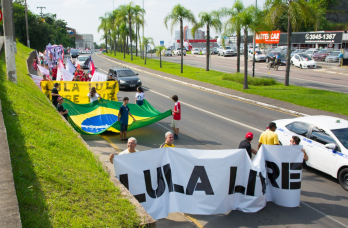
(26,23)
(254,41)
(9,41)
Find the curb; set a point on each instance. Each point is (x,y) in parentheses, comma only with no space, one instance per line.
(212,90)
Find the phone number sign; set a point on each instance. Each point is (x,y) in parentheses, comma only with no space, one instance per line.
(318,37)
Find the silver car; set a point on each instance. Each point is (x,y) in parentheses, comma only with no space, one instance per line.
(332,57)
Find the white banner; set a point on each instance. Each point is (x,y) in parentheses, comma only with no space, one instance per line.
(64,75)
(99,77)
(69,66)
(208,182)
(44,71)
(36,79)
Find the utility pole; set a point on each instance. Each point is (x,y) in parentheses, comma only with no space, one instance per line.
(9,42)
(26,23)
(254,41)
(40,7)
(14,32)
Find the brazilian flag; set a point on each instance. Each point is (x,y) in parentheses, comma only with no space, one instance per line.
(102,115)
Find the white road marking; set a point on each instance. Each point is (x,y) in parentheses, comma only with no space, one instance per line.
(244,125)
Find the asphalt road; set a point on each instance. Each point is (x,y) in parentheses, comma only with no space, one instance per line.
(212,121)
(324,77)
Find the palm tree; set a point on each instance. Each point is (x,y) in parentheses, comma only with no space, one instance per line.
(139,21)
(146,42)
(208,19)
(233,24)
(177,16)
(104,26)
(159,52)
(298,12)
(129,10)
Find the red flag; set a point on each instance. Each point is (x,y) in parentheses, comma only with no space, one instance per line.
(91,67)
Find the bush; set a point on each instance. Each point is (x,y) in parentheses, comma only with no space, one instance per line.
(239,78)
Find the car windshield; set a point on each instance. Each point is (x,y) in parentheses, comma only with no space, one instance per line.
(196,49)
(342,136)
(258,52)
(83,58)
(309,52)
(335,53)
(305,58)
(228,48)
(125,73)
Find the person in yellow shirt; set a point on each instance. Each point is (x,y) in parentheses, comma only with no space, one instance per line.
(269,137)
(169,136)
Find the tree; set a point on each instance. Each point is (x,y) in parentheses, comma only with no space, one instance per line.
(104,26)
(159,50)
(211,19)
(139,21)
(298,11)
(233,24)
(177,16)
(146,42)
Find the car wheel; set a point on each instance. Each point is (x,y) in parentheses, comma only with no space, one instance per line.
(184,55)
(343,178)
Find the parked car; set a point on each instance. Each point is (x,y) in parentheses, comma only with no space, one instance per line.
(195,51)
(204,51)
(310,52)
(81,61)
(320,55)
(325,140)
(74,53)
(167,52)
(227,51)
(126,78)
(258,56)
(297,51)
(280,56)
(178,51)
(303,61)
(333,57)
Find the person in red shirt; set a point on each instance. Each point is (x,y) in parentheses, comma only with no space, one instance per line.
(176,116)
(85,78)
(54,73)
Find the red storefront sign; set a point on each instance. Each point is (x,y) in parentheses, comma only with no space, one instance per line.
(267,37)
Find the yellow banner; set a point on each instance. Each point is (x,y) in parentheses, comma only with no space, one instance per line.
(77,91)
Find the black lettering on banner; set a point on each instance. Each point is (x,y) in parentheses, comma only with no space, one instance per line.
(75,87)
(65,88)
(124,180)
(107,86)
(101,86)
(275,173)
(89,86)
(287,176)
(199,172)
(76,99)
(239,189)
(171,186)
(251,183)
(59,87)
(160,183)
(109,96)
(68,97)
(263,183)
(103,95)
(233,175)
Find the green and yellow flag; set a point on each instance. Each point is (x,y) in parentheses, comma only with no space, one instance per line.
(102,115)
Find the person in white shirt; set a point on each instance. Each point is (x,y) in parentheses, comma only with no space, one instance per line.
(139,96)
(93,95)
(132,143)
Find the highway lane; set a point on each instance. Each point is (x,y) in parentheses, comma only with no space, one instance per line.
(211,121)
(313,78)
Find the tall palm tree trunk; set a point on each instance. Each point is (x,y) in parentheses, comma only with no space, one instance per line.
(145,54)
(287,72)
(106,41)
(207,48)
(245,84)
(238,52)
(130,36)
(160,60)
(181,45)
(127,47)
(124,47)
(136,40)
(115,46)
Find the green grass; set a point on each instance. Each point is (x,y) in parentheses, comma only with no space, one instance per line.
(59,182)
(239,78)
(307,97)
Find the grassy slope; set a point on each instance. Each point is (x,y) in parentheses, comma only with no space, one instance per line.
(312,98)
(59,182)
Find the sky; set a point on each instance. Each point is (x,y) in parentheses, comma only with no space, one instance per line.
(83,15)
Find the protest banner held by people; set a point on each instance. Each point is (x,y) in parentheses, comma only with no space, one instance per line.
(131,144)
(268,137)
(123,118)
(61,109)
(169,139)
(139,96)
(55,94)
(176,116)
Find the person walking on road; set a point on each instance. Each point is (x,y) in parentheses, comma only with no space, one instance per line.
(55,94)
(245,144)
(131,144)
(139,96)
(176,116)
(268,137)
(123,118)
(169,137)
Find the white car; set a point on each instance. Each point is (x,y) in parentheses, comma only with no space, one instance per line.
(195,51)
(81,60)
(258,56)
(167,52)
(303,61)
(226,51)
(325,140)
(204,51)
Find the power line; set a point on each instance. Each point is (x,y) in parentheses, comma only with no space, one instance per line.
(40,7)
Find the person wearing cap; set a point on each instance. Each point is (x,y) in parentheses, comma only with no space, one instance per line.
(245,144)
(61,109)
(269,137)
(55,94)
